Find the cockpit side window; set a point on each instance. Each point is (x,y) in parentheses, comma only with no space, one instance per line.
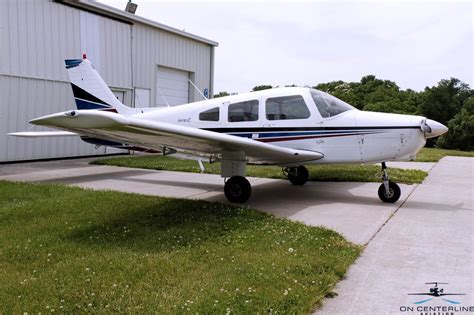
(286,107)
(243,111)
(210,114)
(329,105)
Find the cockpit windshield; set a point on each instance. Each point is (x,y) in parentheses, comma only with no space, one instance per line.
(329,105)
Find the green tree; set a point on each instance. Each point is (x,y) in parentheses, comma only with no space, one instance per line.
(262,87)
(461,129)
(444,101)
(342,90)
(221,94)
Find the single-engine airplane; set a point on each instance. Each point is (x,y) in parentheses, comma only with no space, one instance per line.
(289,127)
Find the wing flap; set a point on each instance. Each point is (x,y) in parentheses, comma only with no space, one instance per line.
(151,134)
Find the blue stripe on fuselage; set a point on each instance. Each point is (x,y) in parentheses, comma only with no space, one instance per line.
(290,134)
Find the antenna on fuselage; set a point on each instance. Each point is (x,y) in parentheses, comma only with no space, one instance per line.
(197,89)
(163,97)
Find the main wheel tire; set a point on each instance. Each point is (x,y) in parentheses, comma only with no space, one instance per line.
(392,195)
(298,175)
(237,189)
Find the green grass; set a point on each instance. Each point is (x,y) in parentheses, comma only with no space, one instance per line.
(337,172)
(434,154)
(69,250)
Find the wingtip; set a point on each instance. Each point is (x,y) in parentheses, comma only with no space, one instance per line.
(36,121)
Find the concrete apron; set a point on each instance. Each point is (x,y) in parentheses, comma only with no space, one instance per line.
(429,239)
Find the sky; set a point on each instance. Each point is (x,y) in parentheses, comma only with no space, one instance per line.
(414,43)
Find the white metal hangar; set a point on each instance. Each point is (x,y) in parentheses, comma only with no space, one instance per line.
(144,63)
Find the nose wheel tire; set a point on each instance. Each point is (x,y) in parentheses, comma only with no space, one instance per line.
(297,175)
(237,189)
(390,196)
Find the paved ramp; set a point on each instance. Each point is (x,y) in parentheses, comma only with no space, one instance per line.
(430,238)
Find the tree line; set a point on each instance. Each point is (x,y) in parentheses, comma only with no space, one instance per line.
(450,102)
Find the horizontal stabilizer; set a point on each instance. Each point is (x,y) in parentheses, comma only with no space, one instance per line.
(39,134)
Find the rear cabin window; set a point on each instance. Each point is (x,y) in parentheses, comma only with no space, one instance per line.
(329,105)
(210,115)
(243,111)
(287,107)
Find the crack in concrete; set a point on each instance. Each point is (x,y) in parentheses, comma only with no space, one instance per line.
(391,215)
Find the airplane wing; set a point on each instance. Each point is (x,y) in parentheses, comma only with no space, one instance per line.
(154,135)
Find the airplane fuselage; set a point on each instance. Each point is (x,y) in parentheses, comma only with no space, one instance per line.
(351,136)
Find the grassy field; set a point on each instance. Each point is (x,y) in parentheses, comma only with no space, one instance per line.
(65,249)
(340,172)
(434,154)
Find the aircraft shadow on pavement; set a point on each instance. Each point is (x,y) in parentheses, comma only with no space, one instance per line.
(208,187)
(281,196)
(305,196)
(119,175)
(419,205)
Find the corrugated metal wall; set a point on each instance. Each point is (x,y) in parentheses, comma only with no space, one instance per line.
(36,37)
(153,48)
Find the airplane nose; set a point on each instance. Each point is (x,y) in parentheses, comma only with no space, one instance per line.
(433,128)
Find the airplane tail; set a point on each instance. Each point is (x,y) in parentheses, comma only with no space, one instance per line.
(89,89)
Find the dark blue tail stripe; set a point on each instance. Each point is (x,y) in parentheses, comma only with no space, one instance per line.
(82,104)
(82,94)
(71,63)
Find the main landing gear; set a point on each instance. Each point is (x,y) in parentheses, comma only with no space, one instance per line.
(388,191)
(237,189)
(297,175)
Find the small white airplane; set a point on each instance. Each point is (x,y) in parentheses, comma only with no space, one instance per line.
(289,127)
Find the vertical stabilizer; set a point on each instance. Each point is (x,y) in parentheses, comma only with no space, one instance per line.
(89,89)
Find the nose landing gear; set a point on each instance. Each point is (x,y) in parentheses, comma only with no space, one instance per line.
(389,191)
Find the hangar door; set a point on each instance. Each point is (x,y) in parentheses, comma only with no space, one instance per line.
(172,85)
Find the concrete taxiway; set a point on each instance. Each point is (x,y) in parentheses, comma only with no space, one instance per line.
(427,236)
(429,239)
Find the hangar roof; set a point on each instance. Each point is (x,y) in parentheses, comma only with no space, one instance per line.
(124,16)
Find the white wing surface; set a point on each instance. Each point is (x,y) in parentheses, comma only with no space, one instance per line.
(154,135)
